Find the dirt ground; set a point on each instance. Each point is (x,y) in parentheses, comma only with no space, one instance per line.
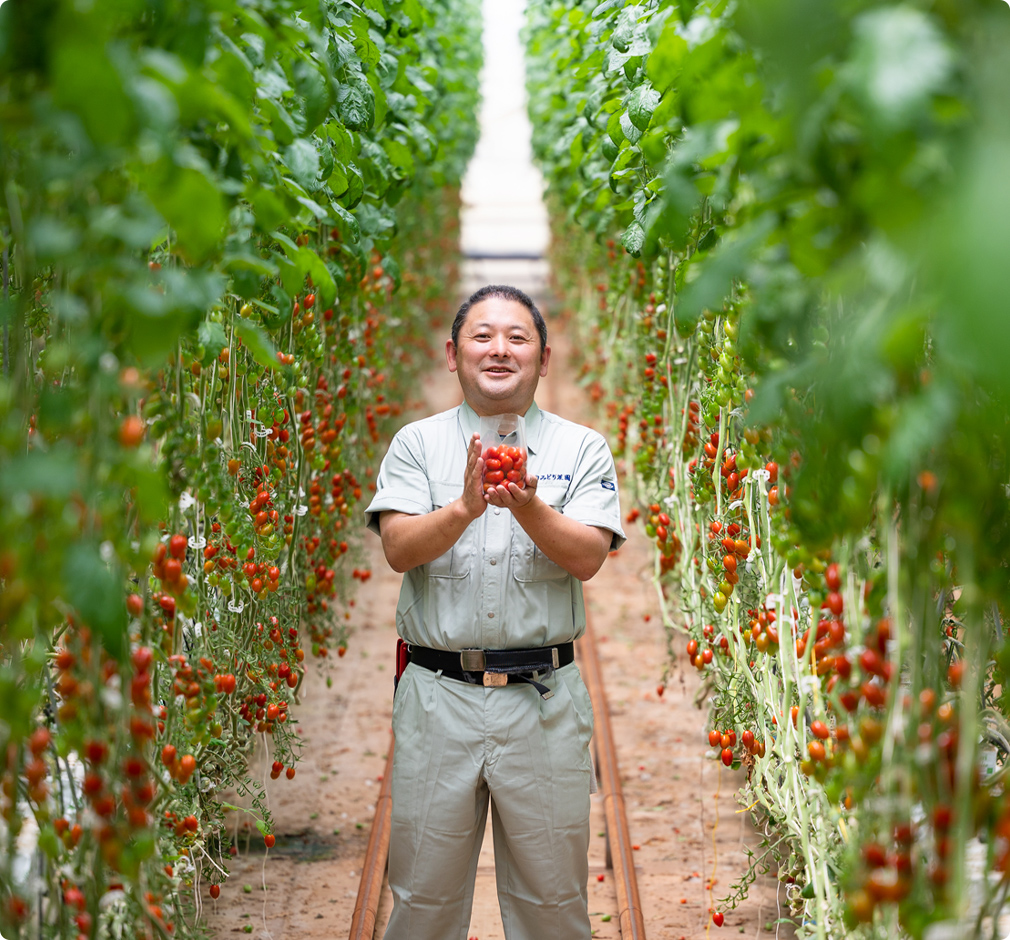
(682,811)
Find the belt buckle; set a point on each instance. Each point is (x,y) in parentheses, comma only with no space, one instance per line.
(471,660)
(554,656)
(495,680)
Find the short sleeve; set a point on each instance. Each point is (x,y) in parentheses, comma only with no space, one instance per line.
(592,498)
(402,485)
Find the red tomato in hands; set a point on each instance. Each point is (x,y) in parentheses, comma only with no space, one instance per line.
(504,464)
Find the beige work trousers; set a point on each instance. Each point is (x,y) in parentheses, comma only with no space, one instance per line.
(457,746)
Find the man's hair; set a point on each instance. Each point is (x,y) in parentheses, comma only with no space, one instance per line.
(501,292)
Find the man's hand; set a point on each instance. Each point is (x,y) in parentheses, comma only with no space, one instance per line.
(473,487)
(510,496)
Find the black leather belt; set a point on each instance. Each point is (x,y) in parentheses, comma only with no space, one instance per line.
(496,667)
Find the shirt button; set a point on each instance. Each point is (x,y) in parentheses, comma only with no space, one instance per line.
(493,561)
(491,615)
(497,511)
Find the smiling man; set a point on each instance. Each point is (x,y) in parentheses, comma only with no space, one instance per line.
(491,708)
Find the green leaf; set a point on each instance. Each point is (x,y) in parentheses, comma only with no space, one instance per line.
(212,337)
(342,141)
(630,130)
(54,474)
(602,9)
(96,591)
(302,159)
(400,156)
(356,106)
(51,238)
(642,103)
(268,208)
(615,129)
(900,61)
(633,239)
(255,339)
(667,58)
(192,205)
(85,82)
(315,267)
(717,271)
(338,180)
(348,225)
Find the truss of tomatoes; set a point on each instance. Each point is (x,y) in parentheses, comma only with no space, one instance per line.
(504,464)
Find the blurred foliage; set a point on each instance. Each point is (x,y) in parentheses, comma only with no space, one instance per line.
(814,201)
(226,230)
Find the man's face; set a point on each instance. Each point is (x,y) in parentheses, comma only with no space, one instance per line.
(498,360)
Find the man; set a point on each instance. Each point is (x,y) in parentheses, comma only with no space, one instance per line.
(485,573)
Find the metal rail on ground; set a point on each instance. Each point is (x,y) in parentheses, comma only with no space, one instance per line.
(366,905)
(619,854)
(618,837)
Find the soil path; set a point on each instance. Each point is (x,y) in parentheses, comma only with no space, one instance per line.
(681,805)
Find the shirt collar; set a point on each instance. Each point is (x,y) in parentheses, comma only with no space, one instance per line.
(470,425)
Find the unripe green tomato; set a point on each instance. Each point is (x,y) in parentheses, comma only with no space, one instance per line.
(722,396)
(719,601)
(731,328)
(710,315)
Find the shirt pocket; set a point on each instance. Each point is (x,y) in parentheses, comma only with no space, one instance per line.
(528,562)
(456,562)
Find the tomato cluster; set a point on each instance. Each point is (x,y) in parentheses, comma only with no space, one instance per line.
(504,464)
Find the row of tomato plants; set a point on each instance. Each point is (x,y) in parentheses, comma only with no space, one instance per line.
(793,389)
(228,231)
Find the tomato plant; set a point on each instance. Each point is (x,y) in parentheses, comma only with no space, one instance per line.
(227,232)
(793,375)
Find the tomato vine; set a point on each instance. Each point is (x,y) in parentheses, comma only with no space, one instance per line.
(757,210)
(227,230)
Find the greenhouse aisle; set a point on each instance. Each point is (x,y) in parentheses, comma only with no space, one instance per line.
(504,231)
(322,817)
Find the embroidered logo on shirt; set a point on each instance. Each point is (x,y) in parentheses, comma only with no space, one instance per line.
(554,478)
(608,484)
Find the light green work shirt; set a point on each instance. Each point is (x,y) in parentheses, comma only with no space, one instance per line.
(494,589)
